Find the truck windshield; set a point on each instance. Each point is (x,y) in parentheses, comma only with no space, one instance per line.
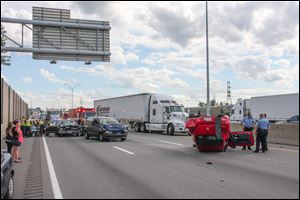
(176,109)
(89,114)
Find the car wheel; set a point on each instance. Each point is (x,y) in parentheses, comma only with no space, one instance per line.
(10,189)
(170,129)
(77,134)
(123,139)
(100,137)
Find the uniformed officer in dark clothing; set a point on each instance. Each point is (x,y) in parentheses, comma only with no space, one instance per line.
(248,123)
(262,128)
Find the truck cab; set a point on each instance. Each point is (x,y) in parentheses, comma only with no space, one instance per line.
(240,109)
(165,115)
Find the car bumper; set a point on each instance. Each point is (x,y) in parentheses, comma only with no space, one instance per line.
(71,132)
(115,135)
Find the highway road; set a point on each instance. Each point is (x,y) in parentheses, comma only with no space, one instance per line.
(149,165)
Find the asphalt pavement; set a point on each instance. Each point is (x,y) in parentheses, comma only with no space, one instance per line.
(153,165)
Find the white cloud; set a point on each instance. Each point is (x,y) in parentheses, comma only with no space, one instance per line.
(27,79)
(50,76)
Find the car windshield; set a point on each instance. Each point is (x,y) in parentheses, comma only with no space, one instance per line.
(69,122)
(176,108)
(108,121)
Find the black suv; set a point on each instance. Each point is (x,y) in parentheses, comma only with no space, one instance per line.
(7,173)
(104,128)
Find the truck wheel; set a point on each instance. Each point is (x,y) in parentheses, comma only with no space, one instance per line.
(170,129)
(87,135)
(143,128)
(137,127)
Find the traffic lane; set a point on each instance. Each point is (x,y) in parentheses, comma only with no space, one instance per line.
(84,170)
(174,172)
(264,174)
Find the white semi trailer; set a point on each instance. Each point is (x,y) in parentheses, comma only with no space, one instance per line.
(277,107)
(145,112)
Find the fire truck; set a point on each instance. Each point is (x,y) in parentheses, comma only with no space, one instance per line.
(81,113)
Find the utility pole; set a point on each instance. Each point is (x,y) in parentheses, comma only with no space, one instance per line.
(207,65)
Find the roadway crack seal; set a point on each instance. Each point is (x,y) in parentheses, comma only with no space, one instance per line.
(34,181)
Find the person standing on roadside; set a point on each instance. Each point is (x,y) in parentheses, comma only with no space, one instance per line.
(27,129)
(265,116)
(9,137)
(248,124)
(23,126)
(16,141)
(262,128)
(42,127)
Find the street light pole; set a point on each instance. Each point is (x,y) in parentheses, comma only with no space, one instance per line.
(207,65)
(72,89)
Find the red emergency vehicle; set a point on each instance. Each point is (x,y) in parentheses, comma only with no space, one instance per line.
(81,113)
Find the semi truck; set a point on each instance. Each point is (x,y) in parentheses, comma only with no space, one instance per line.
(145,112)
(55,114)
(277,107)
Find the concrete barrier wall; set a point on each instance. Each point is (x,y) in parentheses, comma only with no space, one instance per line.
(12,106)
(279,133)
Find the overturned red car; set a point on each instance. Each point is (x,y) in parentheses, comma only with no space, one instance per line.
(213,134)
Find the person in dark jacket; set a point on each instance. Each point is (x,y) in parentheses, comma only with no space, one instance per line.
(9,136)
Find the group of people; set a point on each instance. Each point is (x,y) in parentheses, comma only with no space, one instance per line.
(32,128)
(14,139)
(261,129)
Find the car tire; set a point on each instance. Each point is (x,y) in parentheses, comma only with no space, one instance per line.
(123,139)
(100,137)
(10,189)
(170,129)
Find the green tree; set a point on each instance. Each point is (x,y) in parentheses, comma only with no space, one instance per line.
(213,102)
(5,60)
(201,104)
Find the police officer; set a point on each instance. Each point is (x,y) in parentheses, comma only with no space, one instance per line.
(27,127)
(248,123)
(262,128)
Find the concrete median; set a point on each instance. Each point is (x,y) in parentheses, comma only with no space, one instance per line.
(279,133)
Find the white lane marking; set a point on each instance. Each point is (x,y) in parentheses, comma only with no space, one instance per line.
(171,143)
(124,150)
(53,178)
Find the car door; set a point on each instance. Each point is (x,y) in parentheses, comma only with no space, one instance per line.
(95,127)
(4,176)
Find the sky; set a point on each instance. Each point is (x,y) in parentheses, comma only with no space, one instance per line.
(160,47)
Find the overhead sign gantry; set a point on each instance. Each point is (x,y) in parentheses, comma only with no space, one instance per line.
(58,37)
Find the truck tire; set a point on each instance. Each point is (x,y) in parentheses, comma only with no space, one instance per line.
(170,129)
(137,127)
(143,128)
(87,135)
